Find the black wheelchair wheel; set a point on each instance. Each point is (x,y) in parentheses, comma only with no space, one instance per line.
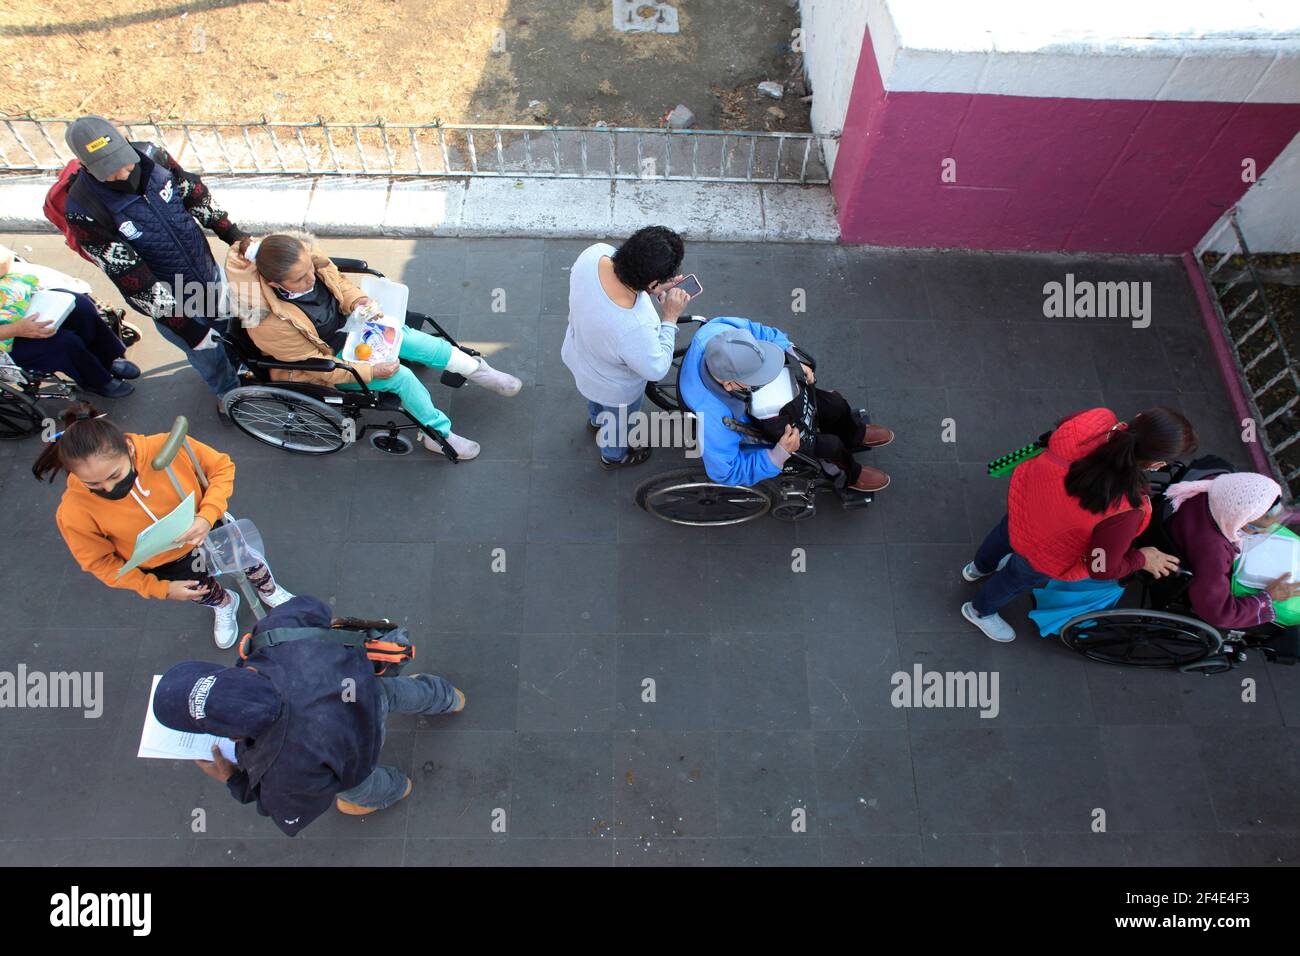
(664,392)
(20,416)
(686,496)
(1139,638)
(797,510)
(129,334)
(1217,664)
(285,419)
(391,444)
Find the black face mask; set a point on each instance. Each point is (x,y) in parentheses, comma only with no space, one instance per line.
(119,490)
(129,185)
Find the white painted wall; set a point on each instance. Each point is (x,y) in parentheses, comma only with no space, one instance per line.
(1269,213)
(833,31)
(1241,51)
(1244,51)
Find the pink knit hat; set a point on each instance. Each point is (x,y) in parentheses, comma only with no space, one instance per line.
(1235,498)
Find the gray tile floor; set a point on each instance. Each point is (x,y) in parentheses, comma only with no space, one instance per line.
(773,687)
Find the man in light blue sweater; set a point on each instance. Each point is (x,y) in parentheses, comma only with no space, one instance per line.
(616,342)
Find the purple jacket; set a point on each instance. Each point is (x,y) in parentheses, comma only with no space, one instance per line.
(1210,557)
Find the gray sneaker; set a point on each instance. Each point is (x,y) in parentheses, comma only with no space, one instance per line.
(972,573)
(992,625)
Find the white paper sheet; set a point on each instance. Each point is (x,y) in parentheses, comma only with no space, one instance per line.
(1264,558)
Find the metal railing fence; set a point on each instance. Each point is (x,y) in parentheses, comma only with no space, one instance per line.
(35,144)
(1265,363)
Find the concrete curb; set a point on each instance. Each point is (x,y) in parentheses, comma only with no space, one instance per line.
(488,206)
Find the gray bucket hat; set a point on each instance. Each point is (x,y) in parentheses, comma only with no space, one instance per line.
(736,356)
(99,146)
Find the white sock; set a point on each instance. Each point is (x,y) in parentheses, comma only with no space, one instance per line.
(460,363)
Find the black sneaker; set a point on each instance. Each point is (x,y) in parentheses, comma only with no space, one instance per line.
(116,388)
(636,456)
(123,368)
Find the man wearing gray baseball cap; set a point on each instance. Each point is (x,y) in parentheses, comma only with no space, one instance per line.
(132,210)
(725,373)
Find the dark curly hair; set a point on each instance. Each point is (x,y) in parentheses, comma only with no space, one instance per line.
(650,255)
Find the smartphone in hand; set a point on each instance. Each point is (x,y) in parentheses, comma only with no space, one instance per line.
(690,285)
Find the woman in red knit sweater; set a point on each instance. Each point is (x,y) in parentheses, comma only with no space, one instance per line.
(1074,511)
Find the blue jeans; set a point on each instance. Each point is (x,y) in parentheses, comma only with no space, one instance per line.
(213,364)
(612,433)
(1014,579)
(420,694)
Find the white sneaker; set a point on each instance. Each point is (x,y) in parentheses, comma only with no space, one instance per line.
(992,625)
(970,573)
(464,448)
(276,597)
(494,381)
(225,631)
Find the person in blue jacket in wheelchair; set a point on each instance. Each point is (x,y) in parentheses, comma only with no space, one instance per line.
(728,359)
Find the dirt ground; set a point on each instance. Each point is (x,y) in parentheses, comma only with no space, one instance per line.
(462,61)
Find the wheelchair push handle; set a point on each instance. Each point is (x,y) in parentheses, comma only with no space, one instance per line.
(344,264)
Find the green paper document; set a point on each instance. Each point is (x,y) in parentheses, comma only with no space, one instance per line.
(161,536)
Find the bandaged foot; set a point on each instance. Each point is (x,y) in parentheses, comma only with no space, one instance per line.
(464,448)
(477,370)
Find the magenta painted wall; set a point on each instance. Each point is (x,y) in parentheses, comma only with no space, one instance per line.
(1039,173)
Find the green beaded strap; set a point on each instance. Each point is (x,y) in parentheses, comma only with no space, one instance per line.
(1003,465)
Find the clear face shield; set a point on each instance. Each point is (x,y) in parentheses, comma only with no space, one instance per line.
(1269,522)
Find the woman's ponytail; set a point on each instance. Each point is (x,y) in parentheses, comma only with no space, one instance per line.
(86,433)
(1116,469)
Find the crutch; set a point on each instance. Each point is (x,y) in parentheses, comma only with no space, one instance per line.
(176,440)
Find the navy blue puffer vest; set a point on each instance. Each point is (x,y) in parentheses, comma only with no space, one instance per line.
(157,225)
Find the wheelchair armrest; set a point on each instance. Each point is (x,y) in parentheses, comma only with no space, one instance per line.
(344,264)
(311,365)
(306,365)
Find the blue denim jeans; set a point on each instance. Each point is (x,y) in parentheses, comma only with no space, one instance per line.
(419,694)
(611,437)
(1014,579)
(213,363)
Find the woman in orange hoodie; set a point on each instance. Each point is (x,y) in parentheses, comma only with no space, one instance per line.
(113,493)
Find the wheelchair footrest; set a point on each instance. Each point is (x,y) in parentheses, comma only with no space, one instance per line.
(855,500)
(452,379)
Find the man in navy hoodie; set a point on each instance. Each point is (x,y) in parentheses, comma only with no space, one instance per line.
(307,716)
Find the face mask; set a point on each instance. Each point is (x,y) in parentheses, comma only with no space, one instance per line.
(129,185)
(295,295)
(119,490)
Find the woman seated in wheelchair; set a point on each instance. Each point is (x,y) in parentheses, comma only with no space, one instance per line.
(295,303)
(83,347)
(1210,521)
(728,361)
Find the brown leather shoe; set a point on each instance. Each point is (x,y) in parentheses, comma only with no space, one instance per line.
(356,810)
(876,436)
(871,479)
